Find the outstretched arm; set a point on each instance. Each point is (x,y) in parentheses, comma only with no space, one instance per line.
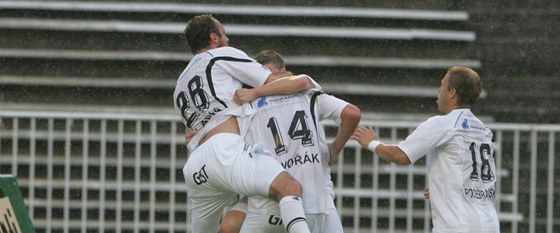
(367,137)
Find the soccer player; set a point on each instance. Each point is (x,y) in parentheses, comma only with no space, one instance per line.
(221,164)
(289,125)
(460,159)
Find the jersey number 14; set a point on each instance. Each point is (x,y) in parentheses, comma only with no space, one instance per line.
(299,130)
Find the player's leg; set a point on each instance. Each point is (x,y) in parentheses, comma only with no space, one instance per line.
(206,206)
(232,222)
(204,177)
(256,173)
(287,191)
(263,176)
(258,222)
(315,222)
(234,217)
(332,223)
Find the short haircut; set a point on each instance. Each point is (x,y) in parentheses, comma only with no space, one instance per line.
(467,84)
(198,30)
(270,56)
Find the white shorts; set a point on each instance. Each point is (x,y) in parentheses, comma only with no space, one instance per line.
(272,222)
(221,168)
(240,205)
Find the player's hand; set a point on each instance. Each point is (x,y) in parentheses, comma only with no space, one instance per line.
(364,135)
(190,136)
(427,192)
(244,95)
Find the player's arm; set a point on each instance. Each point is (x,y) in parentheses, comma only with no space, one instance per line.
(367,137)
(350,118)
(277,75)
(280,86)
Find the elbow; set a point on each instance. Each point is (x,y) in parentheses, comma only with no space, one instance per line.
(304,83)
(402,159)
(352,113)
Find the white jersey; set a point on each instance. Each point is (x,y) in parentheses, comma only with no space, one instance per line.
(289,126)
(461,170)
(328,108)
(204,92)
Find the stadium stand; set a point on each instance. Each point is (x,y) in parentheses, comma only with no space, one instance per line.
(68,42)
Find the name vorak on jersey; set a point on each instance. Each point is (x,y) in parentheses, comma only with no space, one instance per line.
(300,160)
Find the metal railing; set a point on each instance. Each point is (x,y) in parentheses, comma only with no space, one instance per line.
(83,172)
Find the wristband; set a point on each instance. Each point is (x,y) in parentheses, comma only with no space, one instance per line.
(373,144)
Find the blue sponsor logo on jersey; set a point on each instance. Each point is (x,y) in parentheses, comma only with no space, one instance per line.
(262,102)
(465,124)
(474,126)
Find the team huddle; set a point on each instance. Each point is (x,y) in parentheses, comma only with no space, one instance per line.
(260,161)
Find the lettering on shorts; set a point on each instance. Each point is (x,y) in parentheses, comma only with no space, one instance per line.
(274,220)
(201,176)
(300,160)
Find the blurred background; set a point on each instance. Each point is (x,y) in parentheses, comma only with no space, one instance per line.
(88,126)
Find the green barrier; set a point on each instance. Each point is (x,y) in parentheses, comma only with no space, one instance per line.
(13,214)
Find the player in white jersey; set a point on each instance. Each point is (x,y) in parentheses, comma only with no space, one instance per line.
(289,125)
(221,164)
(460,159)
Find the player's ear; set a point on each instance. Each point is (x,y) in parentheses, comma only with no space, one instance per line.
(214,37)
(453,93)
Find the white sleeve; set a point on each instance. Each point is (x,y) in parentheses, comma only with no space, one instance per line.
(330,107)
(426,137)
(316,87)
(243,68)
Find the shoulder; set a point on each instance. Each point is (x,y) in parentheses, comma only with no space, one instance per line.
(442,123)
(436,121)
(450,120)
(227,51)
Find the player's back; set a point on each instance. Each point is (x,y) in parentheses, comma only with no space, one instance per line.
(204,91)
(285,125)
(462,176)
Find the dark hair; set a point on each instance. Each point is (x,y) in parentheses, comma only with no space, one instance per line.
(270,56)
(198,30)
(467,84)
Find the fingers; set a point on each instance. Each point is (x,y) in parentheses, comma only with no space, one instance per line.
(362,131)
(239,97)
(427,193)
(242,96)
(236,97)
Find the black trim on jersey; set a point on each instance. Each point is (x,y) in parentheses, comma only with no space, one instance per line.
(458,117)
(312,108)
(294,221)
(209,74)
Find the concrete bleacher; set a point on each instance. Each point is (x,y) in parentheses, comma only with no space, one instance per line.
(84,48)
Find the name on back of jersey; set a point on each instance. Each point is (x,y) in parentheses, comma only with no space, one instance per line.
(298,160)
